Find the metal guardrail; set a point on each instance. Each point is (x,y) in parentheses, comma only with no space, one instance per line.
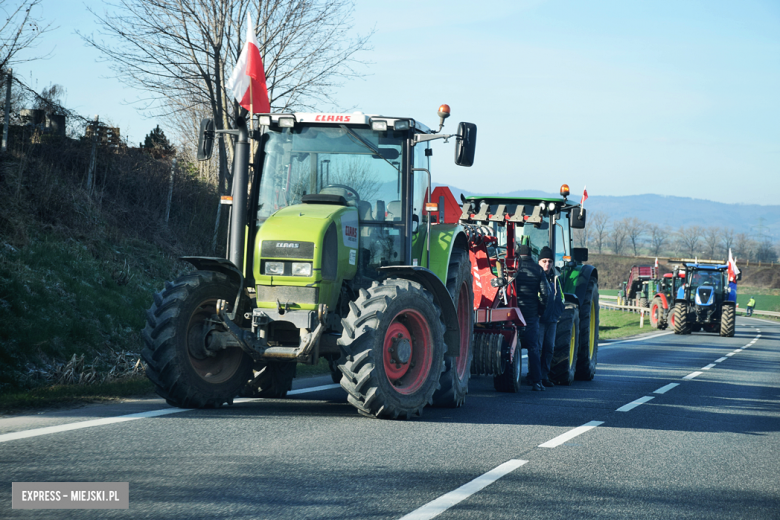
(765,313)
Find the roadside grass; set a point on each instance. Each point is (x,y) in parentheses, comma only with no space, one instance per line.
(58,396)
(766,299)
(619,324)
(608,292)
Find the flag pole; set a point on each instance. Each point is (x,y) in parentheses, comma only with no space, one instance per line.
(251,107)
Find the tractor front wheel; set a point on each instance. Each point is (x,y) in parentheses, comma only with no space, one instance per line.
(393,349)
(184,372)
(564,361)
(656,313)
(728,320)
(680,319)
(589,333)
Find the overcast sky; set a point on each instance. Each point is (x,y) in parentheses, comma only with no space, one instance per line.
(627,97)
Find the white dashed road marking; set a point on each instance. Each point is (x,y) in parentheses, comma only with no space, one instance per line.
(666,388)
(634,404)
(692,375)
(579,430)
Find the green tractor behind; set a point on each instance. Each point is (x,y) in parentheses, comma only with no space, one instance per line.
(331,255)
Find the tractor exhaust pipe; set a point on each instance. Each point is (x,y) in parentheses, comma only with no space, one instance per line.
(238,211)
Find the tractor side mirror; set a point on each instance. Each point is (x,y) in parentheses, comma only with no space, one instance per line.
(466,144)
(579,254)
(206,139)
(577,218)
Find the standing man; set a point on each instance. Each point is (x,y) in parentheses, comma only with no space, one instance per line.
(548,322)
(750,306)
(532,294)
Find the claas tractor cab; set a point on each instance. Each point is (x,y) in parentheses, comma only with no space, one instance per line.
(706,300)
(506,222)
(331,255)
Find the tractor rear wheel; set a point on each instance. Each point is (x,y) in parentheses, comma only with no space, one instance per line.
(564,361)
(643,302)
(728,321)
(184,372)
(454,380)
(273,379)
(680,319)
(656,312)
(587,358)
(393,349)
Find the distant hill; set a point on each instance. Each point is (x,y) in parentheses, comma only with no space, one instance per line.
(672,211)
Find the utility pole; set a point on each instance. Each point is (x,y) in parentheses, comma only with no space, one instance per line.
(170,193)
(7,111)
(93,155)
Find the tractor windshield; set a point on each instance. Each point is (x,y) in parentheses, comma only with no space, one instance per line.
(360,164)
(706,278)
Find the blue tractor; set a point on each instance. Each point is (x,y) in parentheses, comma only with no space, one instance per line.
(707,300)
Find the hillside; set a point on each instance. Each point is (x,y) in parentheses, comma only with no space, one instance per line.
(674,211)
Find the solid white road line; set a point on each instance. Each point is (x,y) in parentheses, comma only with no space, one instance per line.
(579,430)
(609,344)
(692,375)
(634,404)
(711,365)
(666,388)
(86,424)
(444,502)
(123,418)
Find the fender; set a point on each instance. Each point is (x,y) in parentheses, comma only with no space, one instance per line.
(220,265)
(578,282)
(441,296)
(444,239)
(663,299)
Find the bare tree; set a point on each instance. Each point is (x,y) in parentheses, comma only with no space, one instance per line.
(181,52)
(727,241)
(19,30)
(581,237)
(689,238)
(744,247)
(635,230)
(600,223)
(712,239)
(617,239)
(765,252)
(658,237)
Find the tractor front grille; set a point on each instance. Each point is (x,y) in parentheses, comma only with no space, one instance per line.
(287,294)
(287,249)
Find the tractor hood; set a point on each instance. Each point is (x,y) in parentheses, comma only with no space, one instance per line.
(312,247)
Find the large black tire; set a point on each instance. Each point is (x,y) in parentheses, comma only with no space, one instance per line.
(333,366)
(681,324)
(177,325)
(454,380)
(273,379)
(656,313)
(510,379)
(564,361)
(393,349)
(728,320)
(587,358)
(643,302)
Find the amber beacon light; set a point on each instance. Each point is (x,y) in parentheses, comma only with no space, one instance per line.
(564,190)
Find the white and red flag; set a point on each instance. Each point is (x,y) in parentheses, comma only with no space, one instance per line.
(733,269)
(656,262)
(584,195)
(248,79)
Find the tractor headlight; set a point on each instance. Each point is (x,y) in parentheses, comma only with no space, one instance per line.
(274,268)
(301,269)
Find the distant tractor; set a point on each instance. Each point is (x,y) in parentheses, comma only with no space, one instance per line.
(634,291)
(705,301)
(662,304)
(331,255)
(496,226)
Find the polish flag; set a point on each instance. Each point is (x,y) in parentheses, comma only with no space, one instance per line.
(733,269)
(656,262)
(248,79)
(584,196)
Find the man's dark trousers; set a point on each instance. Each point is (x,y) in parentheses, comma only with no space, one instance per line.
(546,346)
(531,342)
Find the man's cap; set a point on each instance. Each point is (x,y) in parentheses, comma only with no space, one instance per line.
(524,250)
(546,252)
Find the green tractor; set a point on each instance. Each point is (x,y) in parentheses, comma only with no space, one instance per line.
(540,222)
(331,255)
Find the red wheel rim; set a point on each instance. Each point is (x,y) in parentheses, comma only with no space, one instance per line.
(406,352)
(654,314)
(464,322)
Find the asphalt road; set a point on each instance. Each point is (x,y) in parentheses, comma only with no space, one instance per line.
(672,427)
